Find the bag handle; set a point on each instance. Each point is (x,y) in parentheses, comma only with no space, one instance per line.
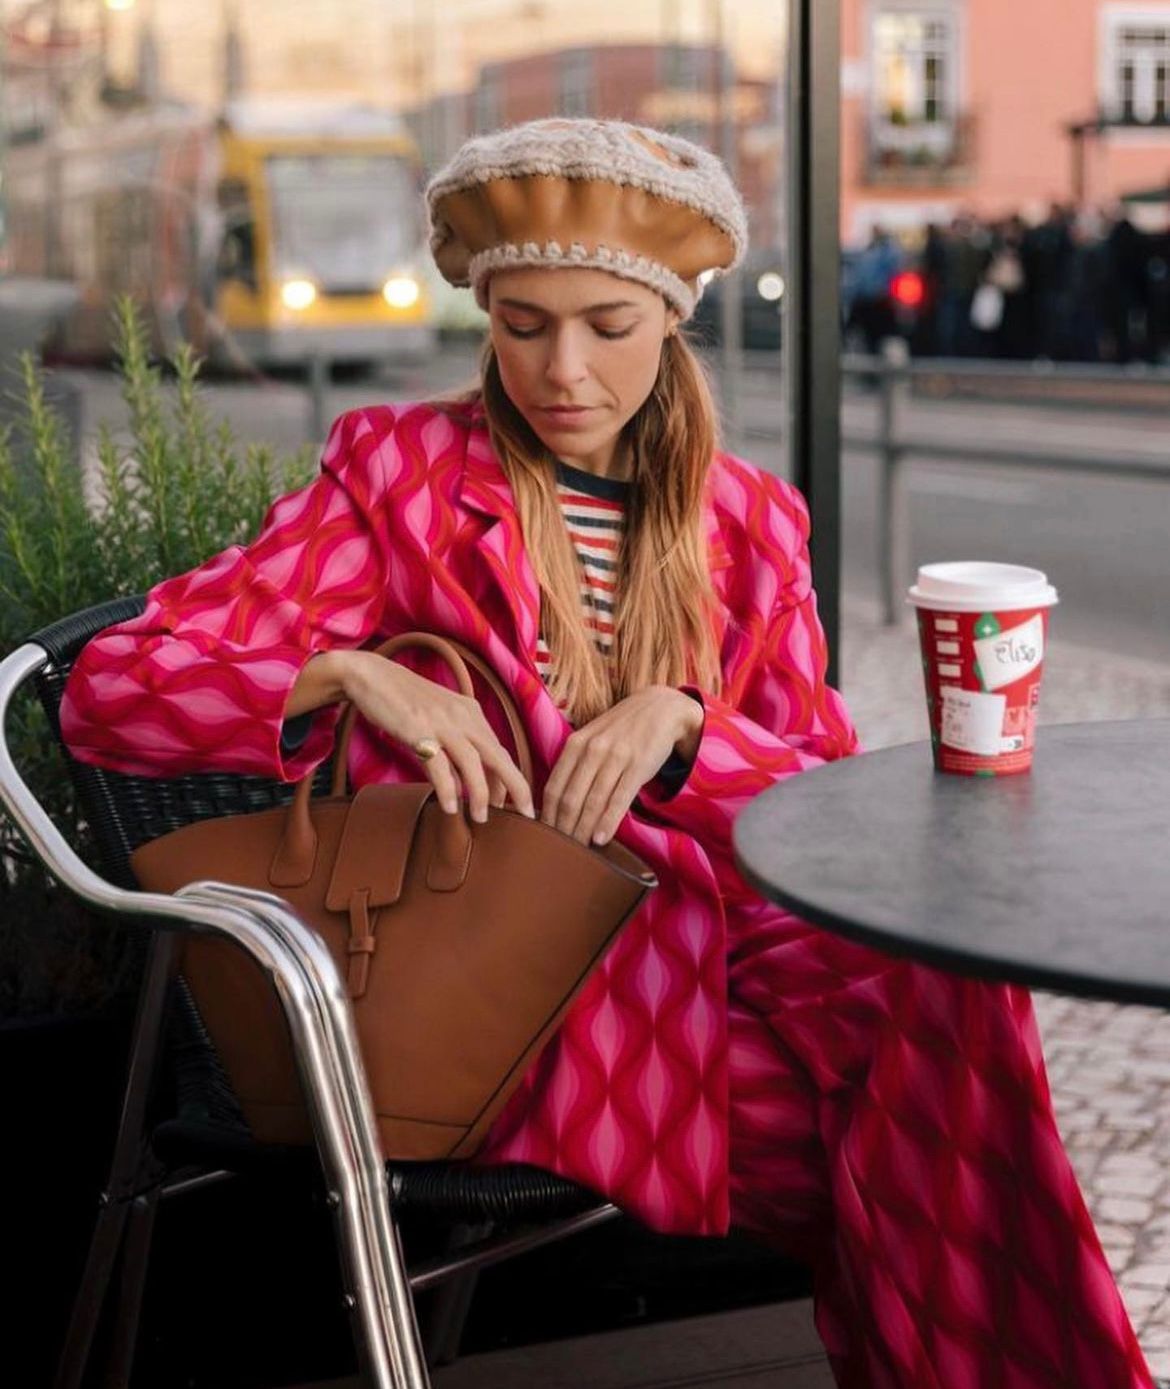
(458,658)
(292,865)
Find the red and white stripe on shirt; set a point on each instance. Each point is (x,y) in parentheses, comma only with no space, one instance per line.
(594,509)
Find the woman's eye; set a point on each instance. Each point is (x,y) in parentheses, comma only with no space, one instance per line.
(601,332)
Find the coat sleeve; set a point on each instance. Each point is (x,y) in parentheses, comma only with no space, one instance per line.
(199,682)
(776,716)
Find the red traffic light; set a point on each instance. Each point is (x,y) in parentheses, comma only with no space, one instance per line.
(908,289)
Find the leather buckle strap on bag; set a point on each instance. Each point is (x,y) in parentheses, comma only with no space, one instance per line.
(462,944)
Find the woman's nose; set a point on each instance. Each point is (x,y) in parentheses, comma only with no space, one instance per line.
(566,359)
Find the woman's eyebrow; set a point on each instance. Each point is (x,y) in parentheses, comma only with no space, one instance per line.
(593,308)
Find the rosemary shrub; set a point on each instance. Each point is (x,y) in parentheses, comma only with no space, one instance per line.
(172,492)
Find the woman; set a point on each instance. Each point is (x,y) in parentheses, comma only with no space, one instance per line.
(647,600)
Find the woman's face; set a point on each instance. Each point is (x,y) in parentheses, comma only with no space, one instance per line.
(578,338)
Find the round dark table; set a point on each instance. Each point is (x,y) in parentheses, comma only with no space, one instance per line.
(1059,878)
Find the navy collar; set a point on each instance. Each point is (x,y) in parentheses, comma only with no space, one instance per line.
(607,488)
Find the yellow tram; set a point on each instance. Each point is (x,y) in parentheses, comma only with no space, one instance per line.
(279,232)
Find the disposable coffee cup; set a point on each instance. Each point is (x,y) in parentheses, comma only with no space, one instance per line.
(983,630)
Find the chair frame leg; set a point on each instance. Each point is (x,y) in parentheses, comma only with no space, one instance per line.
(90,1298)
(131,1286)
(317,1010)
(132,1169)
(452,1302)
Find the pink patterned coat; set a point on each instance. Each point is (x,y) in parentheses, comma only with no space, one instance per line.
(412,524)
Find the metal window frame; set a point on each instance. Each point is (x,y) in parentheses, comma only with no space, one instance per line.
(947,93)
(813,326)
(1111,20)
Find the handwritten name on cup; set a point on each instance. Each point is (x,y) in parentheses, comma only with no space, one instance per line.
(1008,656)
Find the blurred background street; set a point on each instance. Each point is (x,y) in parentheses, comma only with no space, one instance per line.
(1101,539)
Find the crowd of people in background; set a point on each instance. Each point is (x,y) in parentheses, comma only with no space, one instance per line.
(1076,287)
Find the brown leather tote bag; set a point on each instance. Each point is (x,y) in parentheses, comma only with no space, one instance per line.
(462,944)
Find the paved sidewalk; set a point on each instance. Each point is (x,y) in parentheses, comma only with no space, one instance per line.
(1109,1065)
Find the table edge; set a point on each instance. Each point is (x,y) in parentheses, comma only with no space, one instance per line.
(954,961)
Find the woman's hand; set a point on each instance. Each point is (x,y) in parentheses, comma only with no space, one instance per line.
(409,707)
(604,765)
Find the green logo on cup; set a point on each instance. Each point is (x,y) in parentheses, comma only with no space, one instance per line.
(986,626)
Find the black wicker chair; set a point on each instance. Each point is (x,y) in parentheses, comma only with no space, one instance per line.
(181,1128)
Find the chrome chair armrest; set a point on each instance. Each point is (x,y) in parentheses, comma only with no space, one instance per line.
(45,839)
(320,1022)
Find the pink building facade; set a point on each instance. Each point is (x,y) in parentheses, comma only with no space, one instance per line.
(1000,106)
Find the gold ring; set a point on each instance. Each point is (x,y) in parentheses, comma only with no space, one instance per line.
(426,748)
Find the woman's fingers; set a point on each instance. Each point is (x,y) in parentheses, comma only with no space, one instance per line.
(577,806)
(598,798)
(472,761)
(500,766)
(468,763)
(441,775)
(487,776)
(553,811)
(621,797)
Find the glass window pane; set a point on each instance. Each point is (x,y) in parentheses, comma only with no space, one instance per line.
(1006,249)
(251,174)
(337,218)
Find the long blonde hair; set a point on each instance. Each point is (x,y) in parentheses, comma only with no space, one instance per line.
(663,620)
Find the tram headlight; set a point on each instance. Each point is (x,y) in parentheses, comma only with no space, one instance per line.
(401,291)
(298,294)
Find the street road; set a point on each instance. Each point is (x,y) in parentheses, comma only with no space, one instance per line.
(1105,542)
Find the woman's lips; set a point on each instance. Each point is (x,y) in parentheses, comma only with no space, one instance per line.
(563,415)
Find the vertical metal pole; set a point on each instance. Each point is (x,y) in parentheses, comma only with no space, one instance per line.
(103,49)
(319,374)
(54,255)
(434,153)
(668,46)
(233,52)
(887,470)
(893,517)
(813,325)
(3,157)
(731,301)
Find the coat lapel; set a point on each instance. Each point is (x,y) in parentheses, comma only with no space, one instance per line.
(514,591)
(508,597)
(720,561)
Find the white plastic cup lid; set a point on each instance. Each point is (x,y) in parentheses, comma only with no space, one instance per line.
(979,586)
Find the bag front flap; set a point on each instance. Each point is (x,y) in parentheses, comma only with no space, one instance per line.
(375,844)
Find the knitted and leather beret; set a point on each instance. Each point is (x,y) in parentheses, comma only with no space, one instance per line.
(603,195)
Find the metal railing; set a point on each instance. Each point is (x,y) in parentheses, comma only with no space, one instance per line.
(893,375)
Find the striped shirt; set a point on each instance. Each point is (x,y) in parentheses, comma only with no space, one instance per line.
(594,509)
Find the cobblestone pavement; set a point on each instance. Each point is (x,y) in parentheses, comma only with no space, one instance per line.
(1109,1064)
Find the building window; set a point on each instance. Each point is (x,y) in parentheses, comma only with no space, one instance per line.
(577,83)
(914,126)
(1138,67)
(914,62)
